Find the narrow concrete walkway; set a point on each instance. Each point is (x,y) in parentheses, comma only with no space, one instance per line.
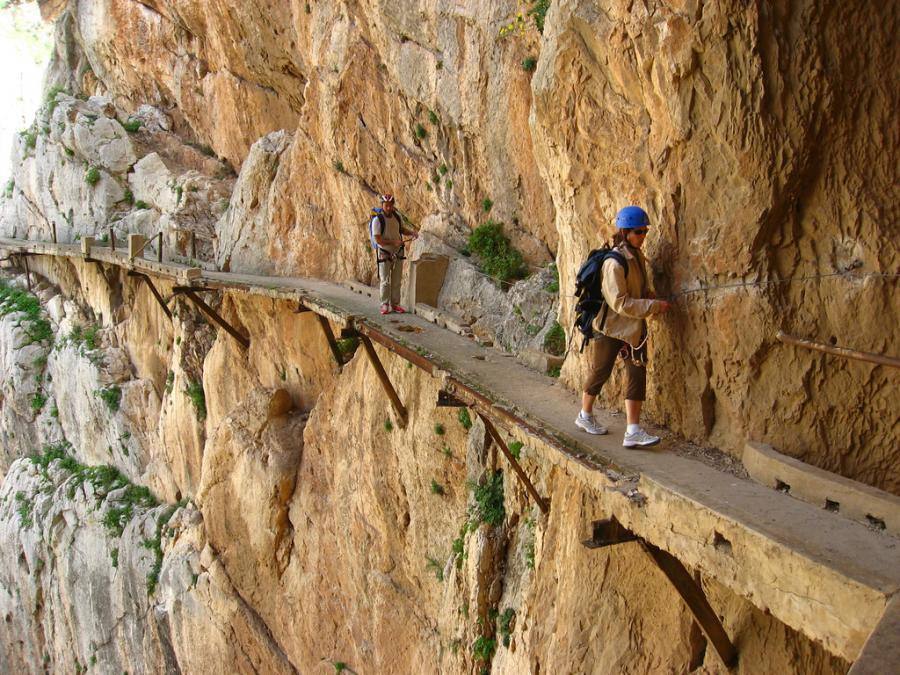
(829,577)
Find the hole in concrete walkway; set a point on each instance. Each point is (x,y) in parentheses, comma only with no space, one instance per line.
(781,486)
(875,523)
(721,543)
(834,507)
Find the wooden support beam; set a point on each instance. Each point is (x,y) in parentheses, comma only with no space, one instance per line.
(329,336)
(694,597)
(384,379)
(154,291)
(529,486)
(610,532)
(213,314)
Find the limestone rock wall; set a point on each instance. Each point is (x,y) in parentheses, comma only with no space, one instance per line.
(311,529)
(754,135)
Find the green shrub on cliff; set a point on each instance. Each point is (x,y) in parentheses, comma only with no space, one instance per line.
(498,257)
(194,392)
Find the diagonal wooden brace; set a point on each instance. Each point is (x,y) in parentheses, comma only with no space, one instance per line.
(329,336)
(529,486)
(384,379)
(213,314)
(610,532)
(154,291)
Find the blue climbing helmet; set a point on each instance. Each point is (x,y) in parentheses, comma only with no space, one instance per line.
(631,217)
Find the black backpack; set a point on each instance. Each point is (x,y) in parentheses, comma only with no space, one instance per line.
(588,290)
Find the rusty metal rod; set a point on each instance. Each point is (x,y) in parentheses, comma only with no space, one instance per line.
(529,486)
(384,379)
(154,291)
(869,357)
(159,248)
(215,316)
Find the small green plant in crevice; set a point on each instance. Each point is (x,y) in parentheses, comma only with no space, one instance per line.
(347,346)
(339,166)
(128,198)
(421,132)
(458,547)
(515,449)
(69,152)
(38,399)
(92,176)
(10,186)
(483,649)
(86,338)
(439,429)
(24,508)
(13,300)
(554,371)
(498,257)
(388,425)
(529,543)
(170,381)
(447,452)
(194,391)
(434,566)
(555,340)
(442,170)
(529,64)
(114,557)
(433,118)
(437,488)
(30,137)
(488,507)
(464,418)
(111,396)
(50,98)
(538,12)
(155,545)
(141,204)
(339,666)
(131,125)
(505,625)
(553,285)
(486,204)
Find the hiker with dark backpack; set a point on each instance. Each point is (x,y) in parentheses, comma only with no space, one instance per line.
(614,301)
(386,234)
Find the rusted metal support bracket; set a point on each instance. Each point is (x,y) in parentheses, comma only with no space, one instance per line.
(448,400)
(385,380)
(27,272)
(212,314)
(154,291)
(529,486)
(329,336)
(869,357)
(610,532)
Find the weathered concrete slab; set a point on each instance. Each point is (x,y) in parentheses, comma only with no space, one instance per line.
(881,653)
(822,488)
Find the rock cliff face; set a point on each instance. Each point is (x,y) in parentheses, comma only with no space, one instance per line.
(288,523)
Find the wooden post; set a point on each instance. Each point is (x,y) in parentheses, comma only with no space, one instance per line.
(529,486)
(53,231)
(136,244)
(384,379)
(193,245)
(112,239)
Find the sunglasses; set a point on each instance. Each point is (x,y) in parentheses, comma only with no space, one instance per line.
(641,230)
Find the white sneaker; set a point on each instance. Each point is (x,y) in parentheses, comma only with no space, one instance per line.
(639,439)
(589,424)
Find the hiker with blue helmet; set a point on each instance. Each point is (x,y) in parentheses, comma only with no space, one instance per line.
(620,327)
(386,232)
